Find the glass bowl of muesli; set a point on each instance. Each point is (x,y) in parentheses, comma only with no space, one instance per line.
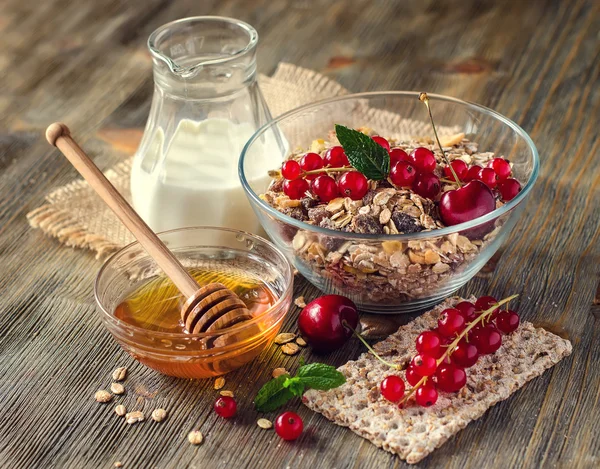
(393,231)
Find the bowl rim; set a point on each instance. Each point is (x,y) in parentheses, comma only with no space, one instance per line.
(123,325)
(394,237)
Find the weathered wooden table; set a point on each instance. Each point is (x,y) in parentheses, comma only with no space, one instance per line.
(85,62)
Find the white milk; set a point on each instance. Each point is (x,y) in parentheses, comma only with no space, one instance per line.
(195,181)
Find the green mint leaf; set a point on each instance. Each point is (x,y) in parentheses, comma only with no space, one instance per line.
(273,395)
(320,376)
(295,385)
(364,154)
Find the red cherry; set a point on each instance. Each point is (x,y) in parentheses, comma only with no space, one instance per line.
(427,185)
(353,184)
(450,378)
(322,322)
(291,170)
(460,168)
(426,395)
(423,159)
(430,343)
(487,340)
(489,177)
(403,174)
(382,141)
(473,173)
(225,407)
(398,154)
(310,162)
(289,426)
(392,388)
(465,354)
(324,187)
(501,167)
(507,321)
(467,309)
(509,188)
(467,203)
(424,365)
(451,322)
(336,158)
(412,377)
(486,302)
(295,189)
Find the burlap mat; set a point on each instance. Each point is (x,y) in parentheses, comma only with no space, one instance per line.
(77,217)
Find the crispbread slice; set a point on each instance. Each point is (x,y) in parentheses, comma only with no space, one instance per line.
(414,432)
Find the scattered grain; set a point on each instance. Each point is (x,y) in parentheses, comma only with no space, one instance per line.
(195,437)
(277,372)
(219,383)
(284,338)
(264,423)
(226,393)
(158,415)
(301,342)
(117,388)
(103,396)
(119,374)
(134,417)
(290,348)
(120,410)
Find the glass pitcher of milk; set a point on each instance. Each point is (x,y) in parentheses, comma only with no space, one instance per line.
(206,105)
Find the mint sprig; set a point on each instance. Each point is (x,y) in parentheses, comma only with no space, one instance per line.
(364,154)
(278,391)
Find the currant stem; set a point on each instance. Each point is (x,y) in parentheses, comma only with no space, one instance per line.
(425,99)
(480,319)
(359,337)
(328,170)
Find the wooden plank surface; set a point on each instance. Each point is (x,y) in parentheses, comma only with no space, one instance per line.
(85,62)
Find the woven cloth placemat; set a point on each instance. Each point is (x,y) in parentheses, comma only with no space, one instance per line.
(77,217)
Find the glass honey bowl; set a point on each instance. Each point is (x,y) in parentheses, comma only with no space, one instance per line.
(141,308)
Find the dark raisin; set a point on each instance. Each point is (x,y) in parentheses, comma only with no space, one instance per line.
(276,185)
(368,197)
(317,214)
(308,203)
(405,223)
(330,243)
(295,212)
(366,224)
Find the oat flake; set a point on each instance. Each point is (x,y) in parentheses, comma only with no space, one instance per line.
(134,417)
(195,437)
(299,302)
(117,388)
(219,382)
(264,423)
(290,348)
(120,410)
(103,396)
(119,374)
(277,372)
(158,415)
(301,342)
(226,393)
(284,338)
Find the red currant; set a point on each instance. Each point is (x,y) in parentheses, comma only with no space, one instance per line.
(289,426)
(473,173)
(426,395)
(501,167)
(489,177)
(382,141)
(324,187)
(459,167)
(486,302)
(295,189)
(465,354)
(509,188)
(310,162)
(507,321)
(467,309)
(450,378)
(424,365)
(336,158)
(430,343)
(423,159)
(403,174)
(412,377)
(392,388)
(291,170)
(451,322)
(225,407)
(487,340)
(398,154)
(427,185)
(353,184)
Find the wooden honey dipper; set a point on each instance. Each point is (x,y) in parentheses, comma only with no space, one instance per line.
(210,308)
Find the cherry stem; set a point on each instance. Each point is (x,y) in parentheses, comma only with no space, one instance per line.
(450,349)
(359,337)
(425,99)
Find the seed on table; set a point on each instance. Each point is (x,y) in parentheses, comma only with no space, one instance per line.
(134,417)
(118,464)
(290,348)
(119,374)
(226,393)
(264,423)
(219,383)
(103,396)
(120,410)
(301,342)
(158,415)
(284,338)
(117,388)
(277,372)
(195,437)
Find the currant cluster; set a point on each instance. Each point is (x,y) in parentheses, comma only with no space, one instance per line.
(497,175)
(311,173)
(415,171)
(463,334)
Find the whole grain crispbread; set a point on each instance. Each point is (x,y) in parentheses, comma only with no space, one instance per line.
(414,432)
